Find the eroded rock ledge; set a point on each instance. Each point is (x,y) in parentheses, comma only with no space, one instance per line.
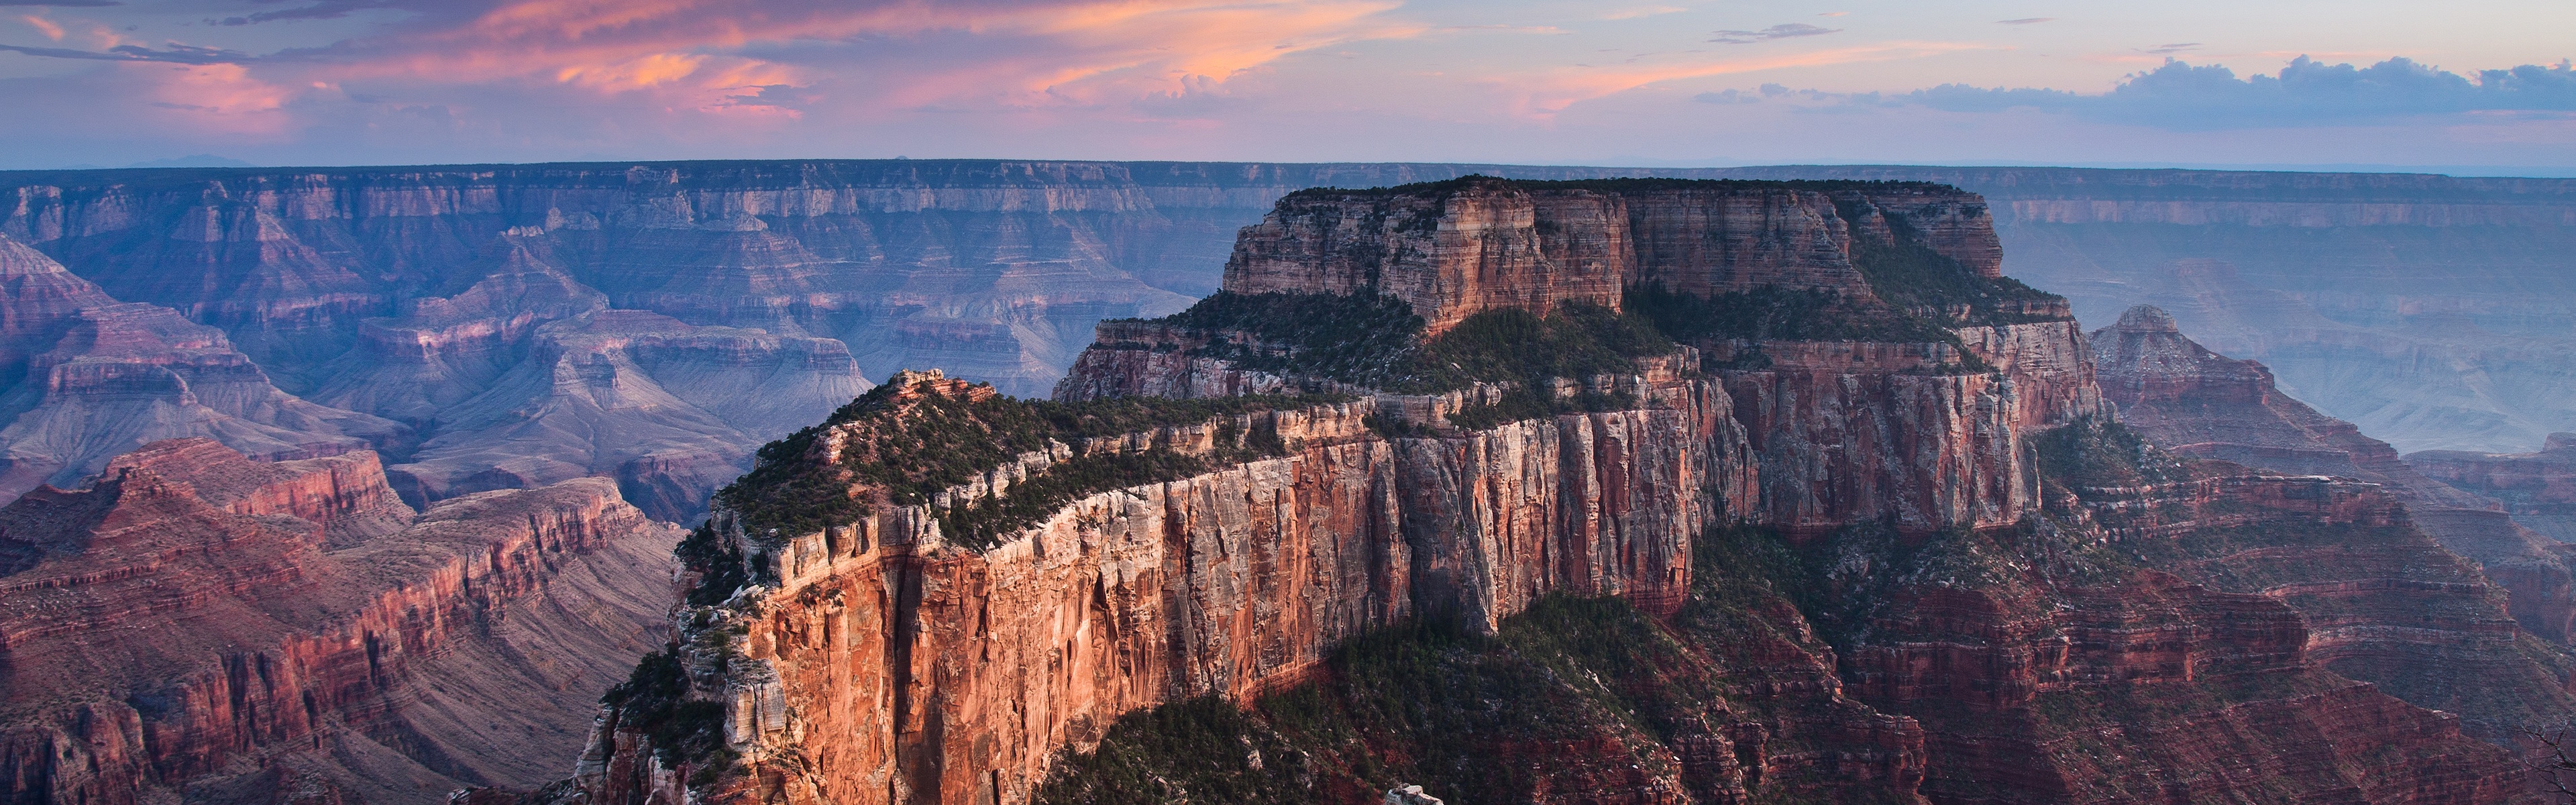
(871,656)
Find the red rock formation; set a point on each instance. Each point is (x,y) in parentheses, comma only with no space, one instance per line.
(1481,243)
(934,672)
(2367,596)
(2037,681)
(1474,244)
(200,622)
(875,661)
(2539,489)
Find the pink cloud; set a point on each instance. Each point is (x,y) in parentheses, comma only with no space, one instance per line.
(43,26)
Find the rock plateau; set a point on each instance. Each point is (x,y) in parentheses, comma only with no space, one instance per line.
(1902,547)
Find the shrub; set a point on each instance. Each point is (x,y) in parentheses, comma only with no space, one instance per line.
(2098,453)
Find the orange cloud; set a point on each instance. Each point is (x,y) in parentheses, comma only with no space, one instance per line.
(636,73)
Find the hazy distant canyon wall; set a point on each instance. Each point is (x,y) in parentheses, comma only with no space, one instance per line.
(496,327)
(451,314)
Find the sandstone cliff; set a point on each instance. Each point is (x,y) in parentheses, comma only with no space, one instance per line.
(199,624)
(872,621)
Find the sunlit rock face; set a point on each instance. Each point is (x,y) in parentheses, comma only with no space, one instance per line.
(195,622)
(877,659)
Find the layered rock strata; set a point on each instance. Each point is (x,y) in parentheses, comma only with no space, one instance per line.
(875,659)
(2537,488)
(666,408)
(2372,601)
(1455,248)
(196,623)
(90,378)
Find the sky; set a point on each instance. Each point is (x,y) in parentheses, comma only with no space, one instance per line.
(2470,86)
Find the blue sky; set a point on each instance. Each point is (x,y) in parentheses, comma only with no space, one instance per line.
(2466,86)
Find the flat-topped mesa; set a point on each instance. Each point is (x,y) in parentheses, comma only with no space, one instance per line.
(1451,249)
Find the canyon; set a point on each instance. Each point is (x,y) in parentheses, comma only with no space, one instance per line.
(356,289)
(1857,521)
(198,626)
(1926,570)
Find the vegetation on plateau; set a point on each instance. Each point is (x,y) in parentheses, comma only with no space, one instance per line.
(1572,692)
(1776,314)
(2090,455)
(654,700)
(1376,341)
(910,452)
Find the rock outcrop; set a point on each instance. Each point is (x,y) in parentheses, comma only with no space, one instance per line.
(199,623)
(94,378)
(1994,636)
(2369,596)
(1455,248)
(2538,489)
(1229,583)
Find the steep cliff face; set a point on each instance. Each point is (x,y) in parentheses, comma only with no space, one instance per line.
(198,622)
(1454,248)
(1472,245)
(1045,625)
(917,670)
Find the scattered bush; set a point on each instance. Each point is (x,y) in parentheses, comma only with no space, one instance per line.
(654,700)
(1779,314)
(2098,454)
(1913,277)
(914,451)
